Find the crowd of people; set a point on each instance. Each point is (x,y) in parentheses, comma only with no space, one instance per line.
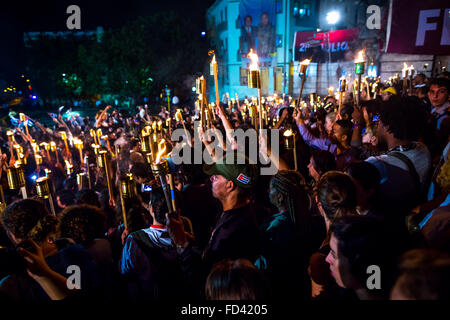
(366,215)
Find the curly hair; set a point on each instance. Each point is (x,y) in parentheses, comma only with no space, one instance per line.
(404,117)
(29,219)
(337,194)
(82,223)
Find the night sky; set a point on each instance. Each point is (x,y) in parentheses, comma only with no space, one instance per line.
(19,16)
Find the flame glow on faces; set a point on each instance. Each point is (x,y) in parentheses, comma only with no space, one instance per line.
(254,60)
(360,57)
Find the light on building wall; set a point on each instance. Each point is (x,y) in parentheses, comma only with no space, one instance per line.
(333,17)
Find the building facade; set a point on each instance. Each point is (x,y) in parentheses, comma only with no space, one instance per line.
(299,29)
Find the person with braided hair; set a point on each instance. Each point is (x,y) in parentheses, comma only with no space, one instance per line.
(29,219)
(285,236)
(336,196)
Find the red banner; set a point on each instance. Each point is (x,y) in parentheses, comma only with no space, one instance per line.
(419,27)
(336,42)
(322,37)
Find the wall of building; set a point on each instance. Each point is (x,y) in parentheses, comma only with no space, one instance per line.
(320,76)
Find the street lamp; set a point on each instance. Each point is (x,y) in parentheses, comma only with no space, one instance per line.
(333,17)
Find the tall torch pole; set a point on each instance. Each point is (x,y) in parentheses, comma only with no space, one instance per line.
(342,88)
(302,73)
(200,83)
(405,71)
(254,81)
(359,71)
(214,72)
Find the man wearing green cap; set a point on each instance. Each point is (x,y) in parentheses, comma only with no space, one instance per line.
(236,232)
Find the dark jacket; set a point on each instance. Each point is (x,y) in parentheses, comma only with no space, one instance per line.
(235,236)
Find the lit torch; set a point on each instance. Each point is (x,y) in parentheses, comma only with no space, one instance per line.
(302,73)
(23,118)
(46,147)
(254,81)
(179,118)
(103,161)
(411,75)
(342,88)
(214,72)
(359,70)
(43,191)
(11,140)
(78,143)
(16,179)
(64,137)
(127,190)
(289,141)
(160,168)
(201,91)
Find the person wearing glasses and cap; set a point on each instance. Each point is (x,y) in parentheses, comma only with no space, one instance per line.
(235,234)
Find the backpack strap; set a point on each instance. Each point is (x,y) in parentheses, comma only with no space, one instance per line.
(412,170)
(143,241)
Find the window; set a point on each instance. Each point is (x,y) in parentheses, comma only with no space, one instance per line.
(279,7)
(244,79)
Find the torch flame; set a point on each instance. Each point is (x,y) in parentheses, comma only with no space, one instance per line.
(45,145)
(405,69)
(254,60)
(287,133)
(160,153)
(68,165)
(360,57)
(214,59)
(306,61)
(178,115)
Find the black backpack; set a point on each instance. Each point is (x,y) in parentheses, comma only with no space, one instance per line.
(169,279)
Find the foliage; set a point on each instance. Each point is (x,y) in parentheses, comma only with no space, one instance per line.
(134,61)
